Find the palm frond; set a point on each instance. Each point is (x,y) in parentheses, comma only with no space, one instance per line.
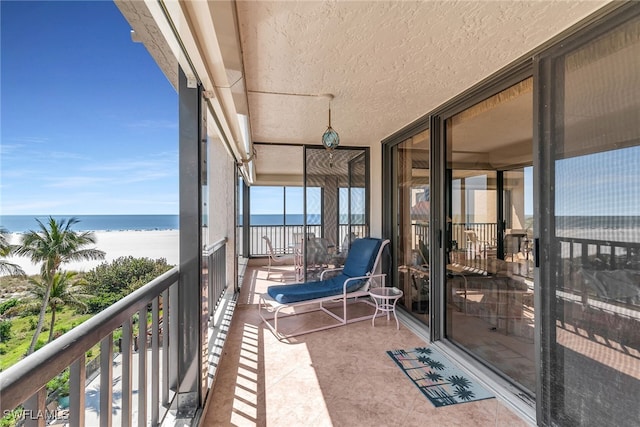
(10,269)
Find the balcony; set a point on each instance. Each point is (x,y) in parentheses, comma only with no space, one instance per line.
(336,377)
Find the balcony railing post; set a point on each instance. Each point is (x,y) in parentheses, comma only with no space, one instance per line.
(165,347)
(34,408)
(172,349)
(155,362)
(106,381)
(77,379)
(142,367)
(126,374)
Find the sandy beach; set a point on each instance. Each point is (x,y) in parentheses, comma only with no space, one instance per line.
(151,244)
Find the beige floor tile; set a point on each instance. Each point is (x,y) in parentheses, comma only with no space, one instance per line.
(338,377)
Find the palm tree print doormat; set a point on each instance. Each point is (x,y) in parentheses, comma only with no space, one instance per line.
(437,377)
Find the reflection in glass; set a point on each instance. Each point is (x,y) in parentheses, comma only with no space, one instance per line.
(336,206)
(489,273)
(593,270)
(411,160)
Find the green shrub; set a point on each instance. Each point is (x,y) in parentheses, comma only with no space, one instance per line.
(5,330)
(39,344)
(11,418)
(30,310)
(110,282)
(8,304)
(59,384)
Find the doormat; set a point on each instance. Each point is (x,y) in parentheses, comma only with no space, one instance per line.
(437,377)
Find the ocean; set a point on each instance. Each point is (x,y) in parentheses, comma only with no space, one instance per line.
(22,223)
(278,219)
(298,219)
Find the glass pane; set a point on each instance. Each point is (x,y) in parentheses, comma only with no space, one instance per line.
(294,206)
(413,209)
(266,218)
(239,219)
(518,220)
(489,275)
(594,236)
(336,205)
(357,197)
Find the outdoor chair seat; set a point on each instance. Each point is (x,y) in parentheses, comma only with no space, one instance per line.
(352,282)
(286,294)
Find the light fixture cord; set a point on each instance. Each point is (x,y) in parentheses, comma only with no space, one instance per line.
(329,113)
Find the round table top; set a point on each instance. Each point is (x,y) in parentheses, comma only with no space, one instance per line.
(385,292)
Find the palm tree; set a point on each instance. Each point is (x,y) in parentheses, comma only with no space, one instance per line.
(5,250)
(54,244)
(64,291)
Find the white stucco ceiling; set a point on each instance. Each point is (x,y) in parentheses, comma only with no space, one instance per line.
(387,63)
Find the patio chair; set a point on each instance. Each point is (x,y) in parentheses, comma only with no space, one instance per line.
(351,282)
(276,256)
(477,248)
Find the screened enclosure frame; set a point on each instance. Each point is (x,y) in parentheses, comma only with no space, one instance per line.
(333,170)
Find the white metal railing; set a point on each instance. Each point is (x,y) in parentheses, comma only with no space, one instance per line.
(25,382)
(283,237)
(214,266)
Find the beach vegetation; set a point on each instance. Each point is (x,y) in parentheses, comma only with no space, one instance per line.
(12,418)
(6,250)
(52,245)
(59,384)
(5,330)
(6,305)
(103,286)
(18,345)
(110,282)
(66,290)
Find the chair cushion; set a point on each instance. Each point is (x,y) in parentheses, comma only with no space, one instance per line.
(362,257)
(286,294)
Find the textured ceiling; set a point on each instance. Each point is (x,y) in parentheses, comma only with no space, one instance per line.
(387,63)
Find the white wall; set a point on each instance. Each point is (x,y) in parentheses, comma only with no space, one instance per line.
(221,199)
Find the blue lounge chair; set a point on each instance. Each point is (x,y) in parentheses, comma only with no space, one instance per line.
(351,282)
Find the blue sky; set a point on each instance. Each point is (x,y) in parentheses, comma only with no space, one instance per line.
(89,124)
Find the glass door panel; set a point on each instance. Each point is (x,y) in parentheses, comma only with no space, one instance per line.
(412,204)
(590,230)
(489,286)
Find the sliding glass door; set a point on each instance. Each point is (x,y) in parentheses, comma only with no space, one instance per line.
(590,228)
(489,291)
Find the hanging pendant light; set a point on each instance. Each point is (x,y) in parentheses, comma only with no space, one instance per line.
(330,138)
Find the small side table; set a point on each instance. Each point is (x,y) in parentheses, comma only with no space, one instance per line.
(385,299)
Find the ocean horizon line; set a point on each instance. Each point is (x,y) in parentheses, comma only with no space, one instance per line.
(95,222)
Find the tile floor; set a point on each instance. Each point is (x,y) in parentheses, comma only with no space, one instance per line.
(337,377)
